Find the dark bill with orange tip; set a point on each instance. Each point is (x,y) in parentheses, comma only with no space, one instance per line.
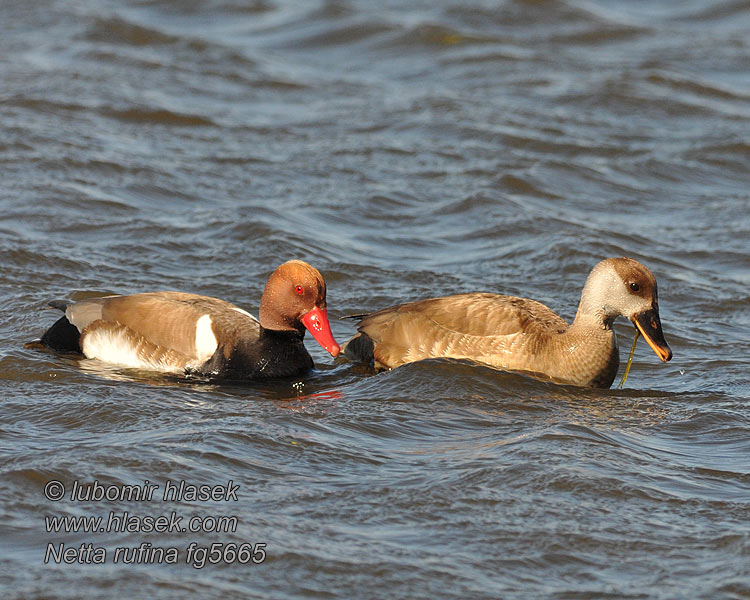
(649,324)
(316,321)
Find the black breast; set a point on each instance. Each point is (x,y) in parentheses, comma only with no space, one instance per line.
(271,354)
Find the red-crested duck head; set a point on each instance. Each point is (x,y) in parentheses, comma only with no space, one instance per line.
(295,299)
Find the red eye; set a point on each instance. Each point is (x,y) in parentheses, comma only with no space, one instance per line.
(299,290)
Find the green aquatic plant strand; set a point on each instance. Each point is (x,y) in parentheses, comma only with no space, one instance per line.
(630,359)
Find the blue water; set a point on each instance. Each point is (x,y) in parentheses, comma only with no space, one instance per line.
(406,152)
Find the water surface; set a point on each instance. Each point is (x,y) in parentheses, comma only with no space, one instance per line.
(405,151)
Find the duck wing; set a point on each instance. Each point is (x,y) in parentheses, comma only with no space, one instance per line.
(472,326)
(187,324)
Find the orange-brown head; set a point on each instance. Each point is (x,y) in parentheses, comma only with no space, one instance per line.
(295,299)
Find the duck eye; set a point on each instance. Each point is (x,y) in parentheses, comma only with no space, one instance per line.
(634,286)
(299,289)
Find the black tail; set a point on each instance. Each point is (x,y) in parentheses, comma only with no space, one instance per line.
(360,348)
(63,336)
(58,304)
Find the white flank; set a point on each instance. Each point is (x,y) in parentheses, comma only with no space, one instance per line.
(116,346)
(205,340)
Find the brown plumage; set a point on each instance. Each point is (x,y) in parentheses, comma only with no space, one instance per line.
(187,333)
(518,334)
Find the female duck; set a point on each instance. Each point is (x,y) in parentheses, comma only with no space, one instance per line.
(518,334)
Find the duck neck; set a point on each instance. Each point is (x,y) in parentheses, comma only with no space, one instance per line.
(594,310)
(592,338)
(592,316)
(272,319)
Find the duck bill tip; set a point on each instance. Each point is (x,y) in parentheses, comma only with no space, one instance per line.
(649,326)
(316,322)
